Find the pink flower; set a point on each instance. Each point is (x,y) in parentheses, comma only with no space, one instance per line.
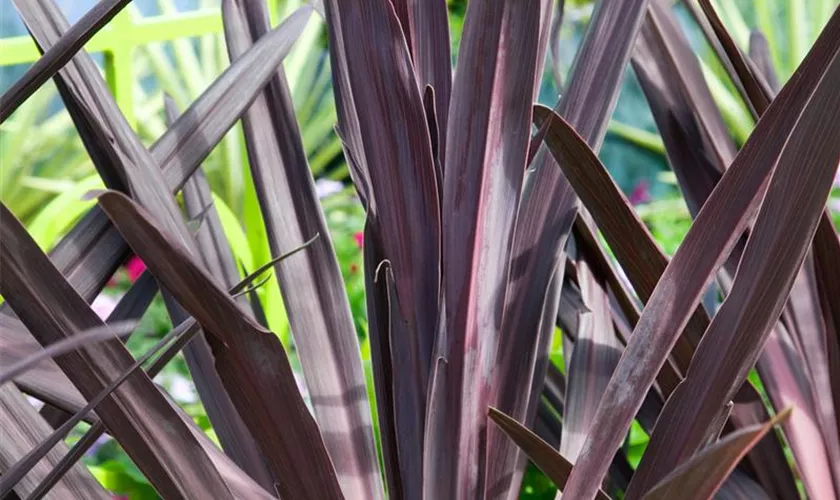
(134,267)
(360,239)
(640,194)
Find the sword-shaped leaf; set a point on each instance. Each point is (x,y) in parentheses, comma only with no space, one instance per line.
(486,151)
(541,453)
(22,430)
(93,249)
(136,414)
(426,30)
(718,225)
(249,359)
(381,115)
(705,472)
(58,55)
(313,291)
(634,246)
(547,210)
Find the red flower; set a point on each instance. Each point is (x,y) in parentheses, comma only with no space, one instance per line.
(134,268)
(640,194)
(360,239)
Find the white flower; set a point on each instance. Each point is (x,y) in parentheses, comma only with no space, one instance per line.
(327,187)
(103,305)
(182,390)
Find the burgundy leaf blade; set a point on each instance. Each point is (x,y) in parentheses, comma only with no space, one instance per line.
(250,360)
(311,284)
(705,472)
(58,55)
(487,143)
(22,430)
(548,209)
(541,453)
(668,309)
(167,454)
(383,122)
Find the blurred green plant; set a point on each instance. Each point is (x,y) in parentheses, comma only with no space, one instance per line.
(789,29)
(45,175)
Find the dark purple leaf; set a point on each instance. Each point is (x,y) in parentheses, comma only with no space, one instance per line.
(47,382)
(13,475)
(213,249)
(136,414)
(775,251)
(757,91)
(697,142)
(759,51)
(699,150)
(486,150)
(541,453)
(379,336)
(593,360)
(718,225)
(711,37)
(136,166)
(704,473)
(766,461)
(22,430)
(91,252)
(69,344)
(249,359)
(784,377)
(381,115)
(826,249)
(634,246)
(547,211)
(183,334)
(426,29)
(313,291)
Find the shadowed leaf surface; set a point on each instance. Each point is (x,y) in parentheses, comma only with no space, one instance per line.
(22,430)
(250,360)
(313,292)
(704,473)
(704,249)
(167,454)
(541,453)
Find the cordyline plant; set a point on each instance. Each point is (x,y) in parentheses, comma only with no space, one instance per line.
(486,219)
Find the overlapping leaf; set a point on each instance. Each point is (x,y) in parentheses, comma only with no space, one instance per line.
(22,430)
(93,249)
(486,150)
(313,292)
(717,227)
(426,29)
(547,211)
(249,359)
(167,453)
(705,472)
(542,454)
(136,167)
(382,119)
(58,55)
